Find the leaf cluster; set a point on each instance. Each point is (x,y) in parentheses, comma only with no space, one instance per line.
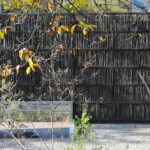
(82,131)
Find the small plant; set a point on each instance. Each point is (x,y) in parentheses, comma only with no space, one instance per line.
(82,132)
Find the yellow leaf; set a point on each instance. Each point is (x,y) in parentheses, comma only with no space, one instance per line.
(72,29)
(84,3)
(101,38)
(81,26)
(17,69)
(36,65)
(29,3)
(85,64)
(57,49)
(8,27)
(65,27)
(28,70)
(18,4)
(27,51)
(74,52)
(94,26)
(3,73)
(46,31)
(84,31)
(140,34)
(53,26)
(33,69)
(70,6)
(13,17)
(12,2)
(30,62)
(50,6)
(2,34)
(75,4)
(8,73)
(5,31)
(27,57)
(70,51)
(89,63)
(58,17)
(6,68)
(49,32)
(8,99)
(91,27)
(21,54)
(36,2)
(59,30)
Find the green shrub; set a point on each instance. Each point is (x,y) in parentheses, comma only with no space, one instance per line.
(82,132)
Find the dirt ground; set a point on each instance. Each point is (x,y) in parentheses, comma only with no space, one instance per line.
(110,136)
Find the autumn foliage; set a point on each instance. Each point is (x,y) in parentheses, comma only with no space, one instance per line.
(27,56)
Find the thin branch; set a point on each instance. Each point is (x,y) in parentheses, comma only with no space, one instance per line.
(142,78)
(19,143)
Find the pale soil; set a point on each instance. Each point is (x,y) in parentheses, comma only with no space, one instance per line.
(110,136)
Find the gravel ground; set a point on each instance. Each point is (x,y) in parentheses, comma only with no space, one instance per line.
(111,137)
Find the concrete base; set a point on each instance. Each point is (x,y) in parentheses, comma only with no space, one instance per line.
(39,129)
